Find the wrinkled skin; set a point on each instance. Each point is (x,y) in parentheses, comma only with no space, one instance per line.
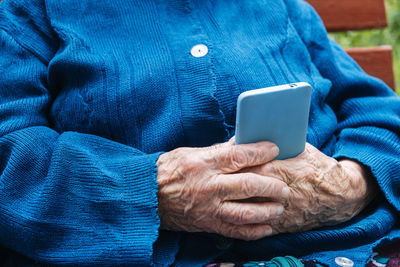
(240,191)
(200,190)
(323,191)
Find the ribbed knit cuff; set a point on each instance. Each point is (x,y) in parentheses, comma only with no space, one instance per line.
(144,227)
(142,223)
(165,244)
(377,149)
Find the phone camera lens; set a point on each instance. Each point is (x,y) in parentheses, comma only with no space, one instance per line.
(292,85)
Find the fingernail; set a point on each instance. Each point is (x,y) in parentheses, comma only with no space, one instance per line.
(280,210)
(285,192)
(268,232)
(275,151)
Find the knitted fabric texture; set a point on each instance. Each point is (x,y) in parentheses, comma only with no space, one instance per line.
(91,92)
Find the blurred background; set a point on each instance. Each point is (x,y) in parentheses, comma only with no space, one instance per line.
(388,36)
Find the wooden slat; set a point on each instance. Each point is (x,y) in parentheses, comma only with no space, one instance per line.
(376,61)
(343,15)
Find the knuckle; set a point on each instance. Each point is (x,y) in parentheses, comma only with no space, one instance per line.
(192,164)
(246,216)
(218,188)
(265,152)
(238,157)
(187,162)
(267,213)
(205,188)
(247,187)
(237,215)
(276,188)
(248,234)
(220,212)
(228,231)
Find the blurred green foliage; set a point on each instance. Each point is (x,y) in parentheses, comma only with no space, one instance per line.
(388,36)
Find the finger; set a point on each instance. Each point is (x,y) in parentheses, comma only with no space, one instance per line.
(233,158)
(279,169)
(246,232)
(247,185)
(249,213)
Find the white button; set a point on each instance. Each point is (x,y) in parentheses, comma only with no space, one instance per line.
(344,262)
(199,50)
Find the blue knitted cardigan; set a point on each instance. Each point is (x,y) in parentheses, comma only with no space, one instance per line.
(91,92)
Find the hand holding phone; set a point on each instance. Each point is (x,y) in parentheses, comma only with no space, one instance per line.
(277,114)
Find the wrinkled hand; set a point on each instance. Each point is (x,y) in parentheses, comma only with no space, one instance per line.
(201,191)
(323,191)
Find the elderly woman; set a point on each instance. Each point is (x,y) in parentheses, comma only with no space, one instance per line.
(115,121)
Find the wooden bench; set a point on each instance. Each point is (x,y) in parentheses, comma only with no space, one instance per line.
(345,15)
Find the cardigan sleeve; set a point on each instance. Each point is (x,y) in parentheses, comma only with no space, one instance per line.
(68,198)
(368,112)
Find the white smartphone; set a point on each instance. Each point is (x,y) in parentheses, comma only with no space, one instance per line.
(277,114)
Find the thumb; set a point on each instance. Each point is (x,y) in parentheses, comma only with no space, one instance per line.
(233,158)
